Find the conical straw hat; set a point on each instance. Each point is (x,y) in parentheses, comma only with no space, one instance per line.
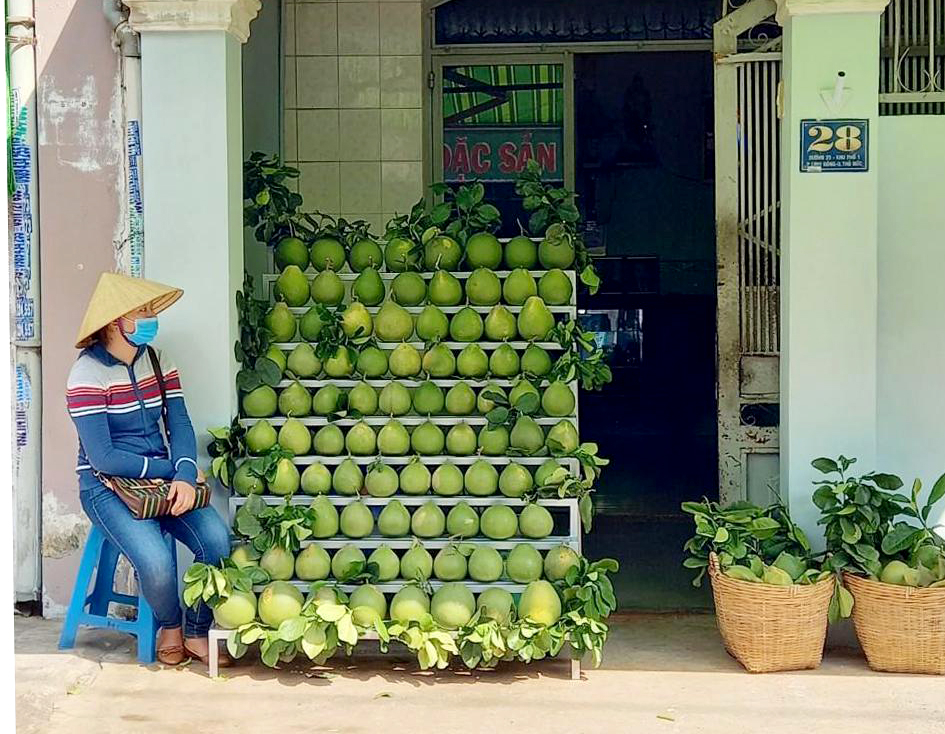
(117,294)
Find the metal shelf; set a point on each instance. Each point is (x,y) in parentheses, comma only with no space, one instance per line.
(412,382)
(406,420)
(346,275)
(404,543)
(434,460)
(569,310)
(392,587)
(456,346)
(410,500)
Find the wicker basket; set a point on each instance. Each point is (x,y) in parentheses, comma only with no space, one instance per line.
(901,628)
(768,628)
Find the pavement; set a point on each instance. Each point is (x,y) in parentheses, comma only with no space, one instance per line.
(661,674)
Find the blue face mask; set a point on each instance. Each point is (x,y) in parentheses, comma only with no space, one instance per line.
(144,332)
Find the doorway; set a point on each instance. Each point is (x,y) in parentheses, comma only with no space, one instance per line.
(644,178)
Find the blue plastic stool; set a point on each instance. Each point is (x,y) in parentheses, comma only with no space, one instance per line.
(99,559)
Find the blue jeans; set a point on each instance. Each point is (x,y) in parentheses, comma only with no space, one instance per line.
(141,542)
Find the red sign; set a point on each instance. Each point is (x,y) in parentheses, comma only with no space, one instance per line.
(501,153)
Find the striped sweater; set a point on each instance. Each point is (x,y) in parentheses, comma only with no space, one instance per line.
(116,409)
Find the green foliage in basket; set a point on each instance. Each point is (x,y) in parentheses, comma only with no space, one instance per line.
(267,526)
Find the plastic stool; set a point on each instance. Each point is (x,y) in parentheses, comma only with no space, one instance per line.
(99,559)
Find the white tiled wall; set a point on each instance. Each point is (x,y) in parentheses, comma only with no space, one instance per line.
(353,96)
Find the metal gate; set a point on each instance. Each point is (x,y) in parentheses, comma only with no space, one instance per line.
(746,46)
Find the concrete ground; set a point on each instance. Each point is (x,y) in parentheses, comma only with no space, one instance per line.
(661,673)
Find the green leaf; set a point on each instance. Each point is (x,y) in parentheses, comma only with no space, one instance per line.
(887,481)
(938,491)
(528,403)
(292,629)
(721,535)
(900,538)
(825,465)
(845,601)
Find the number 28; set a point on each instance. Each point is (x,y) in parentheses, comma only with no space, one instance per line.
(847,141)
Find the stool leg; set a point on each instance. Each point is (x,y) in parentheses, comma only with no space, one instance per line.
(93,546)
(104,588)
(146,631)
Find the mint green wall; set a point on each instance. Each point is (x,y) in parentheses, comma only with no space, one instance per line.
(911,392)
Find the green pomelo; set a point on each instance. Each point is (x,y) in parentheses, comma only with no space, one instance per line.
(368,596)
(327,253)
(460,399)
(278,562)
(558,399)
(394,399)
(896,572)
(388,564)
(295,400)
(563,437)
(363,398)
(344,558)
(347,479)
(485,564)
(291,251)
(545,472)
(461,440)
(393,323)
(415,479)
(302,361)
(261,437)
(466,325)
(518,287)
(278,356)
(368,287)
(515,480)
(313,563)
(452,605)
(292,286)
(556,252)
(326,518)
(504,362)
(356,322)
(558,561)
(428,521)
(327,288)
(483,288)
(449,564)
(310,325)
(246,482)
(361,439)
(409,604)
(428,399)
(481,479)
(540,603)
(245,555)
(416,564)
(442,252)
(521,252)
(357,520)
(399,255)
(394,520)
(287,479)
(363,616)
(555,288)
(393,439)
(404,361)
(500,324)
(447,480)
(260,403)
(496,604)
(483,250)
(521,388)
(329,441)
(536,361)
(498,522)
(527,435)
(237,609)
(535,522)
(493,441)
(278,602)
(294,436)
(462,521)
(408,289)
(432,324)
(364,254)
(427,439)
(776,576)
(316,479)
(524,564)
(326,400)
(339,364)
(472,362)
(381,481)
(372,362)
(483,403)
(281,322)
(444,289)
(535,321)
(438,361)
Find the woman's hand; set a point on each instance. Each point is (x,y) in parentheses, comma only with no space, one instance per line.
(181,496)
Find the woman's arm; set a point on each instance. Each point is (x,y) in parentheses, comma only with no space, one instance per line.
(183,442)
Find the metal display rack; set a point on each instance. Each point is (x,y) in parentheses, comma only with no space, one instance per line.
(565,509)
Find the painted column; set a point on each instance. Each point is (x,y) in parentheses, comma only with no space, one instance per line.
(829,252)
(191,98)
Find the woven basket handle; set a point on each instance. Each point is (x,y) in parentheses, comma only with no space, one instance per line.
(714,569)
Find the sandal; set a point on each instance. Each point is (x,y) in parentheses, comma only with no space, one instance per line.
(172,655)
(223,659)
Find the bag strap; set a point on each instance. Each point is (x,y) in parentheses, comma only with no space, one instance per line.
(159,375)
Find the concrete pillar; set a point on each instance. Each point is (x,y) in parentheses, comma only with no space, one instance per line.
(829,249)
(192,145)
